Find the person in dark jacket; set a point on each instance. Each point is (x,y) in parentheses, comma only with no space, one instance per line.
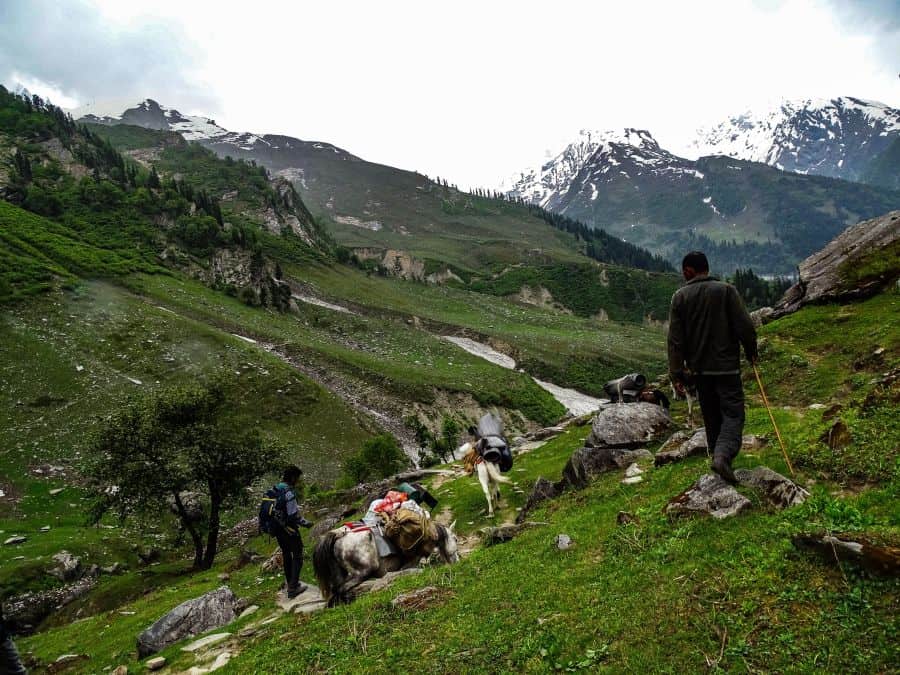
(10,663)
(288,534)
(708,324)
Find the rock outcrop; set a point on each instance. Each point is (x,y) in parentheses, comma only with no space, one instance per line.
(710,495)
(24,612)
(843,270)
(67,568)
(778,490)
(209,611)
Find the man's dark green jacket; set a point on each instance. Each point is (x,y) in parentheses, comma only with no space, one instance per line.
(707,325)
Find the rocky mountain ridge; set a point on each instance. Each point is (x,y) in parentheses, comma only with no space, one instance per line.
(839,137)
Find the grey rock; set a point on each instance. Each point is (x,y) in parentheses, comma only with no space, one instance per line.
(709,495)
(587,463)
(633,470)
(695,445)
(822,275)
(762,316)
(563,542)
(779,490)
(115,568)
(632,480)
(15,539)
(211,610)
(543,489)
(675,440)
(274,562)
(156,663)
(628,425)
(68,567)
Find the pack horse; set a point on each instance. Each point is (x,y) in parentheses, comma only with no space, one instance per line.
(489,457)
(343,559)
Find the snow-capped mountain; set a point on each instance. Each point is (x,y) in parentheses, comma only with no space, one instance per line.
(838,137)
(593,159)
(290,157)
(151,115)
(744,212)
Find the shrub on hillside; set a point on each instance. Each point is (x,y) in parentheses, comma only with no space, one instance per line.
(379,457)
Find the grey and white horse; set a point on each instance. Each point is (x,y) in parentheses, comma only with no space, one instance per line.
(343,560)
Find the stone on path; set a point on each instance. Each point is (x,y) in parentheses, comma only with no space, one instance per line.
(632,480)
(695,445)
(220,662)
(156,663)
(709,495)
(248,611)
(308,601)
(779,490)
(205,642)
(633,470)
(192,617)
(753,442)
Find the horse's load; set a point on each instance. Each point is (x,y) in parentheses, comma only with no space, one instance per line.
(626,389)
(409,529)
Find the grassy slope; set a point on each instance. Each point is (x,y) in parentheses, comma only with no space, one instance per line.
(653,596)
(567,350)
(657,595)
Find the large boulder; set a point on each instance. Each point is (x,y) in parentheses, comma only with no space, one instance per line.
(858,263)
(780,491)
(710,495)
(628,425)
(211,610)
(695,445)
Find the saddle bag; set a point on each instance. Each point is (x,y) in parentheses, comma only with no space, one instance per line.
(409,530)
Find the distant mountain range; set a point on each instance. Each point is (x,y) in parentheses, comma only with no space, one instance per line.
(769,206)
(839,138)
(762,192)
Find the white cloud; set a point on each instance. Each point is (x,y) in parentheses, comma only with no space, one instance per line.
(473,91)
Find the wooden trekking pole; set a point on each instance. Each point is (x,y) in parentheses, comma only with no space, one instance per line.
(772,417)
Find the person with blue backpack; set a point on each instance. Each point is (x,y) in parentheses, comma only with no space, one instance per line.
(279,516)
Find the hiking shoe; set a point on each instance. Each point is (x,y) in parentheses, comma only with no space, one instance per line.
(722,466)
(294,592)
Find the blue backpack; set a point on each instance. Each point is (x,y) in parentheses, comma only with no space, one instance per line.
(273,510)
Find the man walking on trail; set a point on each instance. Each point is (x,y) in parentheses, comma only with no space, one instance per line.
(708,324)
(286,529)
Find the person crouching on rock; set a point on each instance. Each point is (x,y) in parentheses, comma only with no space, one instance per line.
(280,517)
(708,324)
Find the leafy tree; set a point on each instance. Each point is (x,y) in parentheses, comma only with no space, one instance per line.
(158,448)
(379,457)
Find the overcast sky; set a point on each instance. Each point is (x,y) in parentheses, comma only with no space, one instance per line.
(470,91)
